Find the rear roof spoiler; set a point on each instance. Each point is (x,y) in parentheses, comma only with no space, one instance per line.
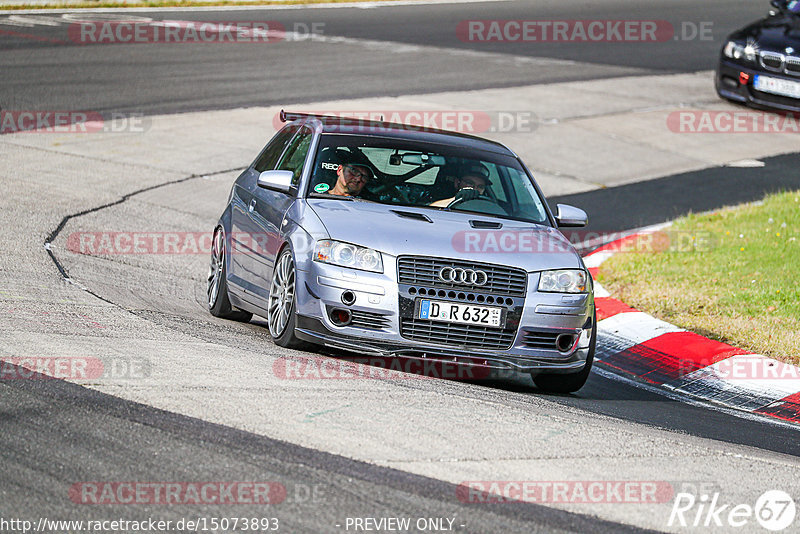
(289,116)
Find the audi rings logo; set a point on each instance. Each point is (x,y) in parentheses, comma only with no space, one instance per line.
(468,277)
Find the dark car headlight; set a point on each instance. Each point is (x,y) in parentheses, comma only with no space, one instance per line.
(740,52)
(347,255)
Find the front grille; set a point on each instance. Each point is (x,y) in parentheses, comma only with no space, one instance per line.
(415,270)
(374,321)
(540,340)
(481,337)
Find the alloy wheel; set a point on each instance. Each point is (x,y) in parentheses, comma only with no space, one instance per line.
(215,271)
(281,295)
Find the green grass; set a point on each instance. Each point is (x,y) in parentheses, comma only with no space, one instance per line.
(171,3)
(732,275)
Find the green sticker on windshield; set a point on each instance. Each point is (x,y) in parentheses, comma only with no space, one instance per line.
(321,188)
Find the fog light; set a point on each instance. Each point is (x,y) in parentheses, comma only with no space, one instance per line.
(564,342)
(730,82)
(340,317)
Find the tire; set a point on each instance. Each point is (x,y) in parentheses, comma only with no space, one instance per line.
(217,289)
(571,382)
(282,309)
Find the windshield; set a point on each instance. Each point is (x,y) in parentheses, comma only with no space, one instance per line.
(423,175)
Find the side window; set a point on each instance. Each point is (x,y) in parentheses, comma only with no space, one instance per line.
(269,156)
(295,156)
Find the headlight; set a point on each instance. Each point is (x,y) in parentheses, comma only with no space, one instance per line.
(347,255)
(564,281)
(738,51)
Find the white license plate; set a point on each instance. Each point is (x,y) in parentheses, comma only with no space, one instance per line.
(454,312)
(777,86)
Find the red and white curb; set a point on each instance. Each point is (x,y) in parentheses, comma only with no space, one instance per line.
(636,344)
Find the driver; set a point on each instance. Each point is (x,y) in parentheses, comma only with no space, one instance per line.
(472,184)
(351,177)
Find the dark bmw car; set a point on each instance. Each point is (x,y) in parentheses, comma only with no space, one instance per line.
(760,64)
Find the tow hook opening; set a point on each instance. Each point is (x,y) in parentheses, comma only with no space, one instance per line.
(348,298)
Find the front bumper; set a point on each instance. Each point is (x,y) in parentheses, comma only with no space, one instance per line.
(382,307)
(728,86)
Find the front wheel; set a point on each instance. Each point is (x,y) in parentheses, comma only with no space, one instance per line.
(282,309)
(218,302)
(571,382)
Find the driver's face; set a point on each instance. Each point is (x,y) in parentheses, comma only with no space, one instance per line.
(352,179)
(472,182)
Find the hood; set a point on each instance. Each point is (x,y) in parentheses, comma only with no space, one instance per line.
(773,34)
(398,230)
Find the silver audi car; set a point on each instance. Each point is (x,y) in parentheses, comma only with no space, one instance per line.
(398,241)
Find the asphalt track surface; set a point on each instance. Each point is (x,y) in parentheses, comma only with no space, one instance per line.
(86,435)
(43,66)
(55,433)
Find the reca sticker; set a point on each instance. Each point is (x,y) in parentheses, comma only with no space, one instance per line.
(321,188)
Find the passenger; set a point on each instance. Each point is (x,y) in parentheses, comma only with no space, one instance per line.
(443,186)
(351,179)
(469,186)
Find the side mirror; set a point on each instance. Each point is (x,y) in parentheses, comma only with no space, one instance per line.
(571,217)
(276,180)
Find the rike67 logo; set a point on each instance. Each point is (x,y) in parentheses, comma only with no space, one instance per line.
(774,510)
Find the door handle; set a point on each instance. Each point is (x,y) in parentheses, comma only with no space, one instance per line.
(252,205)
